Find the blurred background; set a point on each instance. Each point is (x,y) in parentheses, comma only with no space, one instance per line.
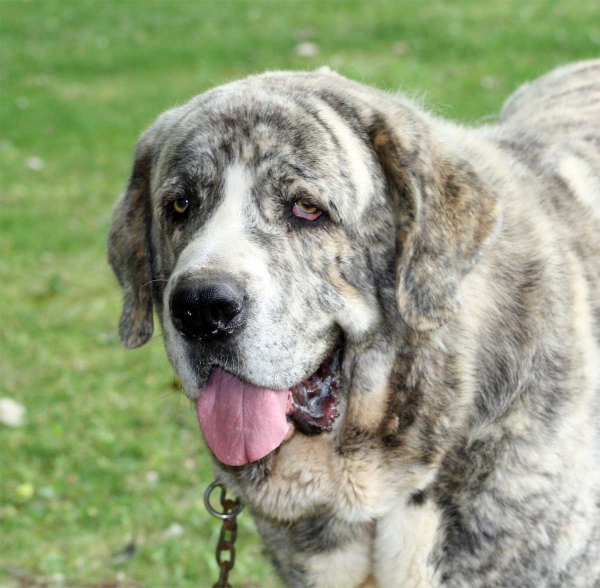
(103,468)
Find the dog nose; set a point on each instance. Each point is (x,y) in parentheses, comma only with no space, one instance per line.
(208,311)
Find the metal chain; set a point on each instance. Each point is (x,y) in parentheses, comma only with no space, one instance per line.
(231,508)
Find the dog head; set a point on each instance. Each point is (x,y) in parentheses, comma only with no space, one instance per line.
(274,221)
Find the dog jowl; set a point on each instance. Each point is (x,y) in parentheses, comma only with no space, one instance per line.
(355,295)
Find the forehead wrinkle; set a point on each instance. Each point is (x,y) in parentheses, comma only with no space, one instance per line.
(342,119)
(172,129)
(355,155)
(201,107)
(262,211)
(231,130)
(304,151)
(344,144)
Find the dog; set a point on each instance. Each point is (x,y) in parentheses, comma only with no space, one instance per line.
(389,323)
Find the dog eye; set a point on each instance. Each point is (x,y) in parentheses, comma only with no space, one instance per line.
(306,210)
(181,205)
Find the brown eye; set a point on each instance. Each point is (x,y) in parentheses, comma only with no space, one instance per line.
(306,210)
(181,205)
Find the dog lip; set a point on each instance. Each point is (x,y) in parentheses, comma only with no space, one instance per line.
(314,400)
(214,365)
(334,353)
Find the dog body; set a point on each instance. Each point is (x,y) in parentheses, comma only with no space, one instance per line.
(455,271)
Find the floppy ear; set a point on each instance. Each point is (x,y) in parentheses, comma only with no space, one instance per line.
(445,215)
(129,251)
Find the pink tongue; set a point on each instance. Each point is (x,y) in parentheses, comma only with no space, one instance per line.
(241,422)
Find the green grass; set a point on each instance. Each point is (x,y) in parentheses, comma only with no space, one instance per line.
(79,82)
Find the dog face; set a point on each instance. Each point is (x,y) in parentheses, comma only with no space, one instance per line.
(274,221)
(272,227)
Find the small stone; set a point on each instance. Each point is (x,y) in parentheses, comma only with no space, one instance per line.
(152,477)
(126,554)
(175,530)
(307,49)
(12,413)
(35,163)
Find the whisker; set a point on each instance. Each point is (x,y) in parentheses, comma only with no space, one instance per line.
(152,281)
(163,397)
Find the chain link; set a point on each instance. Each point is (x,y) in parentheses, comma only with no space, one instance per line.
(226,544)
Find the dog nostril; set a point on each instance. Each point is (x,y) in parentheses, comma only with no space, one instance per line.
(218,315)
(227,310)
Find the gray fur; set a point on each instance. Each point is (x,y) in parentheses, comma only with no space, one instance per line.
(460,271)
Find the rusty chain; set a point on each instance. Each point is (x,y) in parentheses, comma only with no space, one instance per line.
(231,508)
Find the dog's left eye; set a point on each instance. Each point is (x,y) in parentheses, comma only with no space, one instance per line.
(306,210)
(181,205)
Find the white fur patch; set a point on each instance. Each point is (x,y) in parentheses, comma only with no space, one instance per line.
(405,538)
(583,182)
(347,567)
(224,235)
(357,156)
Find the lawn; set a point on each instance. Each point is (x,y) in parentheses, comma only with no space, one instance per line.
(110,455)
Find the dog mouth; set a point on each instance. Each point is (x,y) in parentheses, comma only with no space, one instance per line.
(243,423)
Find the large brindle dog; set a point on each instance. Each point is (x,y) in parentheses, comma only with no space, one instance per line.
(389,323)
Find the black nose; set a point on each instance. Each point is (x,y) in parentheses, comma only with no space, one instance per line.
(208,311)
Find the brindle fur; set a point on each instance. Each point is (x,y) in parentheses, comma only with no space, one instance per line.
(460,268)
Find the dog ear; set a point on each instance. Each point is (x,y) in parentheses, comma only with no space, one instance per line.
(129,251)
(445,215)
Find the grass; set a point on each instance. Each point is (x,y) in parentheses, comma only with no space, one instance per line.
(110,452)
